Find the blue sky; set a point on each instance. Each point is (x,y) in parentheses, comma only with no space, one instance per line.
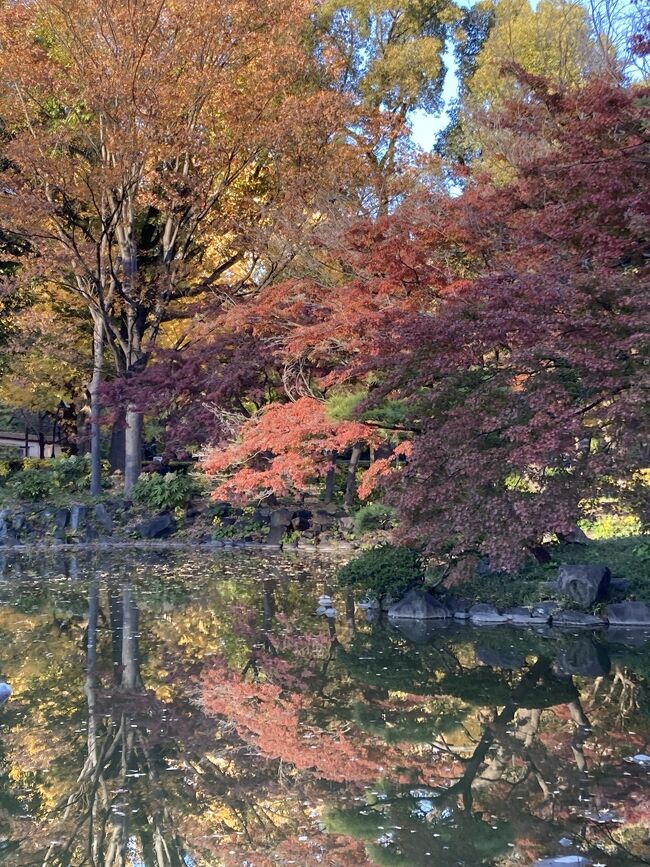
(425,127)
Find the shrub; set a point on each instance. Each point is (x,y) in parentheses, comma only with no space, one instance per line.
(384,570)
(39,479)
(170,491)
(374,516)
(31,484)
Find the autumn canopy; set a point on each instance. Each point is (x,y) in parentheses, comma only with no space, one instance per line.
(224,235)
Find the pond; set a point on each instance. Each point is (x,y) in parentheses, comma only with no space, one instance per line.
(173,708)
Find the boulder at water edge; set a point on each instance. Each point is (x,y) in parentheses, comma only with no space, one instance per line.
(629,614)
(585,584)
(417,605)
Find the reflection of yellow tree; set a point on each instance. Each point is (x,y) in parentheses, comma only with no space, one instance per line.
(310,712)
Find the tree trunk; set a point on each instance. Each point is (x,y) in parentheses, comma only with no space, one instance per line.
(329,483)
(91,670)
(132,448)
(96,409)
(116,453)
(131,678)
(351,483)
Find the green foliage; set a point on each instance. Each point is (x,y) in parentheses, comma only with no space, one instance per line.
(506,590)
(386,569)
(343,406)
(244,527)
(42,479)
(627,556)
(158,492)
(374,516)
(612,526)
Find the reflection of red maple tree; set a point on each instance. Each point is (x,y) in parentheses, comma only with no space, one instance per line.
(270,719)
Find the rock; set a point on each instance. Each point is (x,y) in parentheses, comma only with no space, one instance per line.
(419,631)
(500,657)
(484,613)
(103,517)
(61,519)
(570,617)
(628,614)
(261,516)
(386,602)
(281,518)
(519,615)
(276,535)
(575,537)
(7,535)
(5,692)
(543,611)
(322,520)
(301,521)
(90,534)
(346,524)
(418,605)
(583,657)
(160,527)
(78,517)
(619,585)
(585,584)
(458,607)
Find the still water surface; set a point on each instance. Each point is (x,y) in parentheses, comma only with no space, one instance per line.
(175,708)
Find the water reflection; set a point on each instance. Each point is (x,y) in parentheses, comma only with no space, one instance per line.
(172,710)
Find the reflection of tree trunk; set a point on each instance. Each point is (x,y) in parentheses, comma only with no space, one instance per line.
(131,678)
(269,605)
(115,614)
(463,786)
(349,610)
(91,669)
(583,730)
(269,613)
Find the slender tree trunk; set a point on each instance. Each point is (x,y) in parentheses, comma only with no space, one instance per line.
(130,644)
(132,448)
(96,409)
(351,483)
(117,443)
(116,615)
(91,669)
